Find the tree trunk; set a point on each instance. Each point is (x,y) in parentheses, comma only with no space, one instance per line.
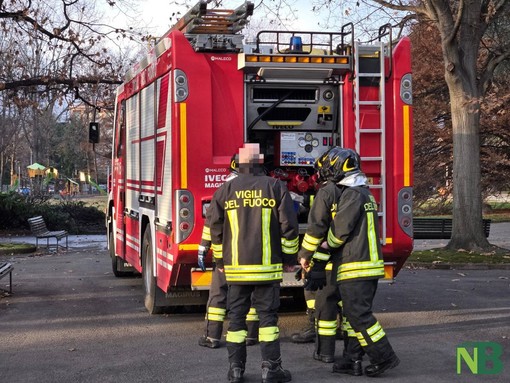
(467,231)
(460,40)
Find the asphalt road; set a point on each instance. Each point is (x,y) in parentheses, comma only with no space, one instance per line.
(70,320)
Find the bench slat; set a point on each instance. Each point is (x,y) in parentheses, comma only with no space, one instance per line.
(6,269)
(439,228)
(40,231)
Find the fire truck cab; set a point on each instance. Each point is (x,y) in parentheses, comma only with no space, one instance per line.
(202,92)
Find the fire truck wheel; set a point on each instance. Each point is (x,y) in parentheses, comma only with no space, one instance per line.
(149,281)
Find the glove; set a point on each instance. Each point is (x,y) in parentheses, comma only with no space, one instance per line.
(315,278)
(202,252)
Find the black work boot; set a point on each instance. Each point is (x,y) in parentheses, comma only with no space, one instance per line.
(205,341)
(236,372)
(325,349)
(378,368)
(307,334)
(323,358)
(272,372)
(351,367)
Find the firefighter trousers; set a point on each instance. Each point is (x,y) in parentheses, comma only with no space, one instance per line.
(266,300)
(357,298)
(217,306)
(327,302)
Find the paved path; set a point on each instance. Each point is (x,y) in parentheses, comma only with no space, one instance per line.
(89,241)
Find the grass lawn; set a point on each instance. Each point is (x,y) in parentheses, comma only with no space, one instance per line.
(16,248)
(456,257)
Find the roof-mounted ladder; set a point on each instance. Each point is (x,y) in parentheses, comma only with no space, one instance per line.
(214,29)
(199,19)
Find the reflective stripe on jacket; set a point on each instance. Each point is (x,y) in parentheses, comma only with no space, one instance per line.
(206,236)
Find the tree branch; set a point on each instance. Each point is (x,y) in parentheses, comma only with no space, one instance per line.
(36,81)
(488,74)
(400,7)
(23,16)
(457,24)
(78,96)
(498,7)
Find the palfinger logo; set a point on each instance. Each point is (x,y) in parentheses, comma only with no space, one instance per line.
(485,359)
(221,58)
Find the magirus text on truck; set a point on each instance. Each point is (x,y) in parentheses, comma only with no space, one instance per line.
(202,92)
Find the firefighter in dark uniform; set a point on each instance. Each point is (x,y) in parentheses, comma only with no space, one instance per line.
(354,237)
(254,231)
(217,303)
(327,298)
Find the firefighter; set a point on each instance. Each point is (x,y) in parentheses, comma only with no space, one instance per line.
(354,237)
(217,303)
(254,230)
(327,298)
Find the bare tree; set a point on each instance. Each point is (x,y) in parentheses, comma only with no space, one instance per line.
(69,37)
(55,54)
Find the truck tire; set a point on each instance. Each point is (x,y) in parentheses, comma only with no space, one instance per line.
(149,281)
(116,261)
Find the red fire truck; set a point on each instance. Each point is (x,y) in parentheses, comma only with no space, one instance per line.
(201,92)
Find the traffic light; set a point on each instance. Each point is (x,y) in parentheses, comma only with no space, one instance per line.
(94,132)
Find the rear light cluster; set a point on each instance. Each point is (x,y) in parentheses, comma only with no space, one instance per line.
(181,86)
(184,214)
(405,210)
(406,89)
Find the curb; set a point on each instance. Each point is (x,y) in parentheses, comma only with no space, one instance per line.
(457,266)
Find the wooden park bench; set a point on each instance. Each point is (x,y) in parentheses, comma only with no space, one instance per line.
(439,228)
(6,268)
(40,231)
